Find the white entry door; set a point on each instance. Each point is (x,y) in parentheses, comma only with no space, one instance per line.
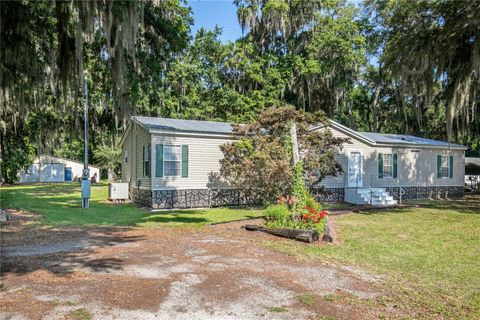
(355,169)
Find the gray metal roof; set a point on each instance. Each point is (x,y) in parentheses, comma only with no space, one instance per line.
(226,128)
(405,139)
(184,125)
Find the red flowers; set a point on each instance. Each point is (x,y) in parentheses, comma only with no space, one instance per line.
(313,216)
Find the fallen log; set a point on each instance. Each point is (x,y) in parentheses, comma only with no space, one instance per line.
(304,235)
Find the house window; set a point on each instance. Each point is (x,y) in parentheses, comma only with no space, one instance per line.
(172,160)
(146,160)
(126,156)
(388,165)
(444,167)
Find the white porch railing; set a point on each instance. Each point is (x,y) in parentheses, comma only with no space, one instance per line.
(401,191)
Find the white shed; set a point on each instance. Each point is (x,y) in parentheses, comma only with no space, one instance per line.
(46,168)
(472,180)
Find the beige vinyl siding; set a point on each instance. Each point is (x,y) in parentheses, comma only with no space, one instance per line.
(132,172)
(204,159)
(342,158)
(414,169)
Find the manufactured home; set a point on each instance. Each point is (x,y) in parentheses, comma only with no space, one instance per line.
(169,163)
(47,168)
(384,168)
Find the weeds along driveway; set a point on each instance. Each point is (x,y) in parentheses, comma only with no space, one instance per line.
(214,272)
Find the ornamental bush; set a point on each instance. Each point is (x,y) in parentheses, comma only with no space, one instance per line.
(311,202)
(260,158)
(278,212)
(314,219)
(310,217)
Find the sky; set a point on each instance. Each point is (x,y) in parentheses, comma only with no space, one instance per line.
(223,13)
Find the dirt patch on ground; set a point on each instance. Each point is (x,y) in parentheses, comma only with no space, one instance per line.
(216,272)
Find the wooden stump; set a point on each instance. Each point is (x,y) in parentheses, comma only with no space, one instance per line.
(327,232)
(4,216)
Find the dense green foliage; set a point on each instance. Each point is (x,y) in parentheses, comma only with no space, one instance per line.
(385,65)
(47,47)
(280,216)
(278,212)
(299,190)
(261,161)
(110,158)
(432,51)
(283,216)
(264,160)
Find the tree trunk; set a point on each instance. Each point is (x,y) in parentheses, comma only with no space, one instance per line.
(404,109)
(110,175)
(378,88)
(2,153)
(304,235)
(353,124)
(327,233)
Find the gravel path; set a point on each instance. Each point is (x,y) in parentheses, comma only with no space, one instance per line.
(28,250)
(217,272)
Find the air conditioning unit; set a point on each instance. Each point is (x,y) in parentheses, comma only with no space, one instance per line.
(118,191)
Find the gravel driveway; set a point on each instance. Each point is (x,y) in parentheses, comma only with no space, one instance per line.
(216,272)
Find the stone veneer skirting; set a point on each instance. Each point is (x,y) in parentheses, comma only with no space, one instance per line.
(328,194)
(141,196)
(338,194)
(205,198)
(427,192)
(193,198)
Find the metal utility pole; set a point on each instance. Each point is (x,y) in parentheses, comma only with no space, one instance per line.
(86,171)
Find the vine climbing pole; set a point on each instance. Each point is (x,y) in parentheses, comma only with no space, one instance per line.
(298,190)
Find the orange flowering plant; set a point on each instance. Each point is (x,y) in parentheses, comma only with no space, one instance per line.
(314,218)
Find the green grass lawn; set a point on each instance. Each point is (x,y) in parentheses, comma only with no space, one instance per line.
(432,253)
(337,206)
(60,204)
